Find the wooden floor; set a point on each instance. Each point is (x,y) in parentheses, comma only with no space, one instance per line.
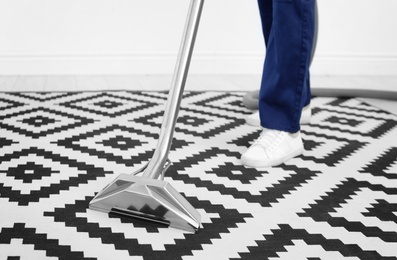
(194,82)
(125,82)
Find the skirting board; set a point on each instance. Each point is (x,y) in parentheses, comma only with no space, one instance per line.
(357,64)
(95,64)
(121,64)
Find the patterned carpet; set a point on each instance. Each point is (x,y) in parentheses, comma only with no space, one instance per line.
(57,150)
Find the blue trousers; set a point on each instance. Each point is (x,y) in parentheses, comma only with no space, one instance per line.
(288,29)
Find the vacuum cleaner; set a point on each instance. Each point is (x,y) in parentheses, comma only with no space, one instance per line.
(145,194)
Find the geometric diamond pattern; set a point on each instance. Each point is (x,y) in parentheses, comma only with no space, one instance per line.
(111,144)
(41,96)
(38,122)
(384,165)
(5,142)
(108,104)
(6,103)
(57,150)
(29,171)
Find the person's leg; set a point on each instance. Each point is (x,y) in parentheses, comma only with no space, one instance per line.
(285,87)
(307,90)
(266,15)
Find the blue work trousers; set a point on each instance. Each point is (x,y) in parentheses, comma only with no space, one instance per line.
(288,29)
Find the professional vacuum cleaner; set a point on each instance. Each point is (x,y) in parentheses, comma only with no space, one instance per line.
(144,194)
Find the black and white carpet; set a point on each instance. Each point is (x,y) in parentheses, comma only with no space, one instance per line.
(57,150)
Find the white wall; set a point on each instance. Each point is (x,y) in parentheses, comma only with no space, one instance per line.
(357,37)
(135,37)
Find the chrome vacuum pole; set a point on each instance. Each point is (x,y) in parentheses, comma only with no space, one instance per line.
(176,92)
(149,197)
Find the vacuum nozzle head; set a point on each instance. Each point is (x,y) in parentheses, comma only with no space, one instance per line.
(149,199)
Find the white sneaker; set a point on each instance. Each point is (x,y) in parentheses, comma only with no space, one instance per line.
(273,147)
(255,120)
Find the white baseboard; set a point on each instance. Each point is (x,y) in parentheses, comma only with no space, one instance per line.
(82,64)
(371,65)
(126,64)
(201,64)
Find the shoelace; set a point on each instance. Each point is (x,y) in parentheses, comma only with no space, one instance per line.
(268,138)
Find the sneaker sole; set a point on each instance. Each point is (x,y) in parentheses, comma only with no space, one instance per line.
(271,163)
